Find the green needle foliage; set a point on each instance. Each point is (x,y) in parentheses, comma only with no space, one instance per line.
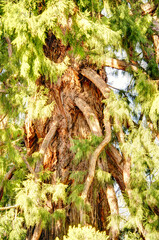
(122,34)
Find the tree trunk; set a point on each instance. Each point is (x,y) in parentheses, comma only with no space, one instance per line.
(78,85)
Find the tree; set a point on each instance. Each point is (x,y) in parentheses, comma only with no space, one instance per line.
(68,142)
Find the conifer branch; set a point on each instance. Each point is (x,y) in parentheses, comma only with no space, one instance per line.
(25,161)
(8,176)
(126,172)
(127,160)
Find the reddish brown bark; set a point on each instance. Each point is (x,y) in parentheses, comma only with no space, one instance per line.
(78,112)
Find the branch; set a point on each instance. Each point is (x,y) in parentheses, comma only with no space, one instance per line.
(48,137)
(9,46)
(116,171)
(3,117)
(7,208)
(8,176)
(119,64)
(96,130)
(3,91)
(91,118)
(94,157)
(25,161)
(127,159)
(97,80)
(114,153)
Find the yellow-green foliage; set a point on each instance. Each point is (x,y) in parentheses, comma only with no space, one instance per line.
(38,107)
(11,223)
(103,177)
(81,26)
(84,147)
(83,233)
(32,200)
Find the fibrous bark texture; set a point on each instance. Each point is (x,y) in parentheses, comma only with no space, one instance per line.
(78,113)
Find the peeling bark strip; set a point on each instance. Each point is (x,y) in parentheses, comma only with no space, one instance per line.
(113,204)
(8,176)
(97,80)
(91,118)
(94,157)
(37,232)
(45,144)
(48,137)
(156,44)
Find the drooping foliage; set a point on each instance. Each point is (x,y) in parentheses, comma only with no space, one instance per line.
(72,150)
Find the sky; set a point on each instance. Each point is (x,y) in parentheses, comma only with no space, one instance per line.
(118,78)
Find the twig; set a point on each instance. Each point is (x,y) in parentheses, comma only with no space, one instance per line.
(26,162)
(3,117)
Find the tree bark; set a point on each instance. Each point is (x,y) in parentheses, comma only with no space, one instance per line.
(78,112)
